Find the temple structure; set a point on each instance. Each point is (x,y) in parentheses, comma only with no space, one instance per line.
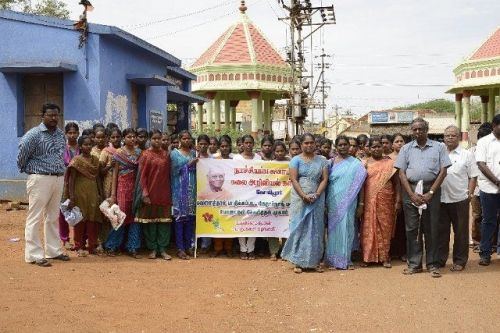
(479,75)
(240,65)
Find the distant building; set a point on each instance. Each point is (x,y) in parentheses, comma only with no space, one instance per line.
(114,77)
(397,121)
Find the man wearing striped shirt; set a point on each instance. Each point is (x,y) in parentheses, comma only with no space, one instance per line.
(40,156)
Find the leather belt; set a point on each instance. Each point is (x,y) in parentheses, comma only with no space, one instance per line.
(57,174)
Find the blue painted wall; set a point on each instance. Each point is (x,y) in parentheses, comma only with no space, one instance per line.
(97,92)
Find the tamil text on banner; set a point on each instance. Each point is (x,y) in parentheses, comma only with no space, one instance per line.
(242,198)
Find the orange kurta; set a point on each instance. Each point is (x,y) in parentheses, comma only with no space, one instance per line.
(379,213)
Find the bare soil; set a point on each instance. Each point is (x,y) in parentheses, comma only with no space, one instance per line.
(121,294)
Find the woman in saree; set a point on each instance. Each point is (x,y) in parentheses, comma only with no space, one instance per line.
(152,199)
(345,181)
(122,193)
(183,184)
(398,244)
(382,201)
(309,177)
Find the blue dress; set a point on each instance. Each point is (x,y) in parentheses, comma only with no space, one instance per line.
(183,184)
(304,247)
(345,180)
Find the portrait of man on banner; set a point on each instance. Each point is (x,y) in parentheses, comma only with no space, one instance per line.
(215,190)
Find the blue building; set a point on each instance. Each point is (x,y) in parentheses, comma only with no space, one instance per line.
(115,77)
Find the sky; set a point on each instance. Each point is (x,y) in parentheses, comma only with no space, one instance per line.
(383,53)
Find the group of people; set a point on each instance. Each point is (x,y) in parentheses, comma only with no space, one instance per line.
(355,197)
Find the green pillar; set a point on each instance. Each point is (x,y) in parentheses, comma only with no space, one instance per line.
(466,115)
(458,110)
(199,116)
(217,113)
(491,105)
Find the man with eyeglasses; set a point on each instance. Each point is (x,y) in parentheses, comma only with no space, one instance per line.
(40,156)
(458,187)
(422,160)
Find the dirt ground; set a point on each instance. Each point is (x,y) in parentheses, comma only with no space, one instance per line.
(103,294)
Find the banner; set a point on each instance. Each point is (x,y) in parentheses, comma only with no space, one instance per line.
(242,198)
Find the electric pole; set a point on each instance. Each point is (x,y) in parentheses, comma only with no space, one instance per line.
(301,14)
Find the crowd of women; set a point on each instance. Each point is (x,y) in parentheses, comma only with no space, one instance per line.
(345,200)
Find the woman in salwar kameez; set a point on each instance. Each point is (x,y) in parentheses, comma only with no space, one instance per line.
(124,174)
(309,177)
(152,200)
(183,184)
(382,200)
(84,191)
(346,177)
(106,171)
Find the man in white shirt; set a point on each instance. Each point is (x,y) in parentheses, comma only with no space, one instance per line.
(456,190)
(488,161)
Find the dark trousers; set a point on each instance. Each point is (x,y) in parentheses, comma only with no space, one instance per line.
(427,226)
(490,205)
(157,236)
(184,232)
(457,215)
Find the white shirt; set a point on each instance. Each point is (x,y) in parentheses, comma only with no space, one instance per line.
(488,151)
(455,186)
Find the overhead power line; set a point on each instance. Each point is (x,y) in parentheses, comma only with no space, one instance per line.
(190,27)
(147,24)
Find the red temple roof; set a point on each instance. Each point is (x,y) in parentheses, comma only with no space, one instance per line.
(490,48)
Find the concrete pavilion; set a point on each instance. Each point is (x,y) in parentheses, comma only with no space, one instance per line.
(240,65)
(479,75)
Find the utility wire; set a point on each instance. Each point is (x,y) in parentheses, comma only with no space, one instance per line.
(147,24)
(190,27)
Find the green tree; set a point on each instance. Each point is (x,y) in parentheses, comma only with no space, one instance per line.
(438,105)
(54,8)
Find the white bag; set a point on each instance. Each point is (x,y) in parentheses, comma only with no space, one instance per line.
(113,213)
(73,216)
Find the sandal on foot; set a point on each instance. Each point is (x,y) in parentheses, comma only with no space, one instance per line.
(363,264)
(41,262)
(297,270)
(182,255)
(251,256)
(81,253)
(435,273)
(411,271)
(61,257)
(164,255)
(484,261)
(273,257)
(387,264)
(190,252)
(214,254)
(456,268)
(152,255)
(134,255)
(350,267)
(111,253)
(243,256)
(319,269)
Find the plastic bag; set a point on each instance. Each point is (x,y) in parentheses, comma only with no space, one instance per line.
(113,213)
(72,216)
